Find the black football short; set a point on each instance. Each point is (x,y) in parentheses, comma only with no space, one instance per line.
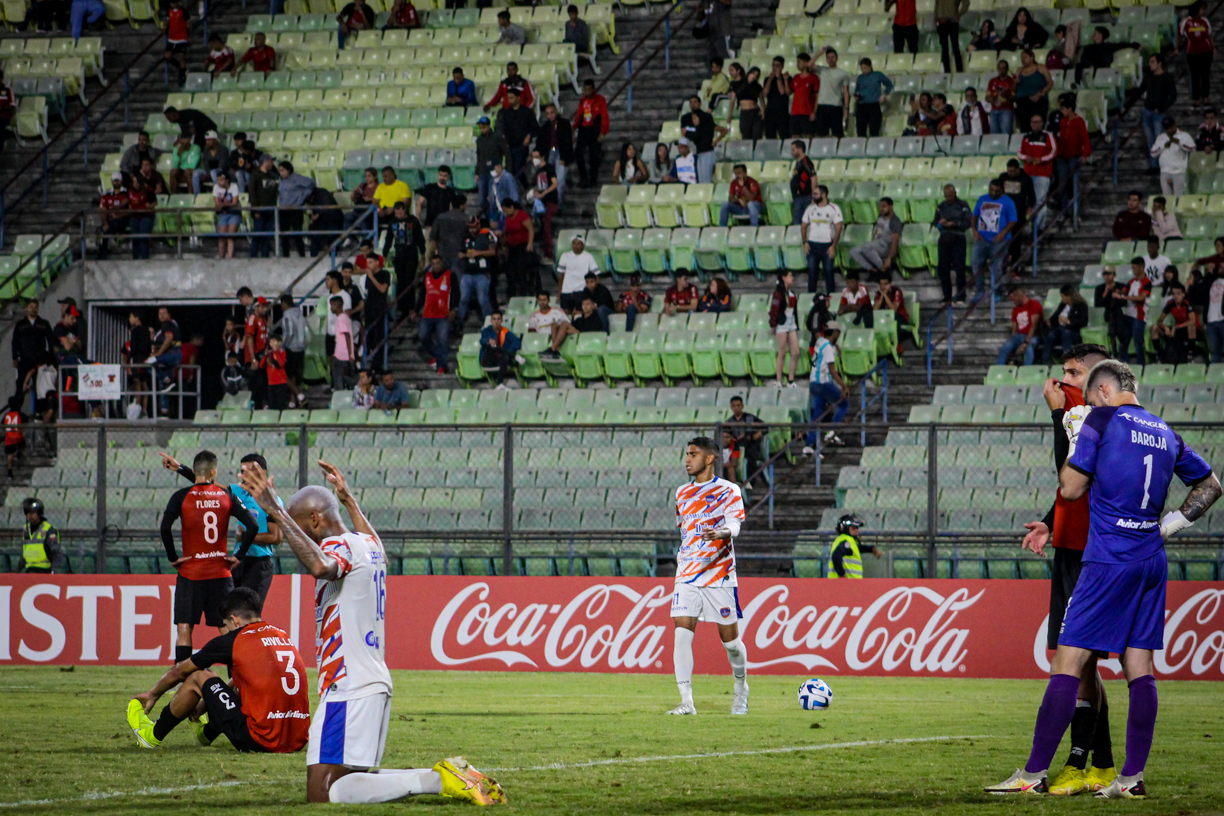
(225,715)
(195,598)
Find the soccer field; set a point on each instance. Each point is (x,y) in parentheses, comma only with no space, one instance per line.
(600,744)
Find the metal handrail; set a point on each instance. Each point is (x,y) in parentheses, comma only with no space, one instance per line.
(628,56)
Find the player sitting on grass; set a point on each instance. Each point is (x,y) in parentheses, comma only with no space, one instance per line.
(1119,601)
(349,732)
(264,709)
(709,512)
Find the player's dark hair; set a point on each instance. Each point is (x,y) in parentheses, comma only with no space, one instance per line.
(705,444)
(256,458)
(204,461)
(1119,372)
(1083,351)
(243,602)
(737,397)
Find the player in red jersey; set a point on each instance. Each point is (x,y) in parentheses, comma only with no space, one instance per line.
(1065,527)
(204,576)
(265,708)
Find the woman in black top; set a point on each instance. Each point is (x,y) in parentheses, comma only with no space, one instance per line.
(1023,32)
(777,101)
(746,93)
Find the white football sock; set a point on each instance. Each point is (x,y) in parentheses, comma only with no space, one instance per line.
(682,657)
(384,786)
(737,655)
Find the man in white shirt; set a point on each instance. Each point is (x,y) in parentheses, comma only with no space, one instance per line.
(334,286)
(974,116)
(684,168)
(1154,263)
(826,386)
(822,225)
(856,300)
(572,269)
(1215,320)
(548,319)
(833,97)
(1172,149)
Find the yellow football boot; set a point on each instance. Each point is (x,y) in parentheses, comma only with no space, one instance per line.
(461,781)
(1099,778)
(141,725)
(1070,781)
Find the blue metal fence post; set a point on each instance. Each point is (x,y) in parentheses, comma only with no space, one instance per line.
(3,218)
(46,176)
(951,328)
(127,97)
(929,352)
(667,42)
(1116,139)
(85,150)
(629,91)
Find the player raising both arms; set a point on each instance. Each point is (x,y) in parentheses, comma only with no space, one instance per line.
(1066,528)
(349,732)
(204,576)
(709,512)
(265,707)
(1119,601)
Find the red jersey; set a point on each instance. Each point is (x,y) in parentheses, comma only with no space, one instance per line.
(750,190)
(804,86)
(261,59)
(205,511)
(176,25)
(274,364)
(140,199)
(516,228)
(592,112)
(518,83)
(256,328)
(1003,91)
(1043,148)
(7,97)
(115,200)
(1197,31)
(1070,517)
(1073,141)
(12,423)
(269,675)
(407,16)
(681,297)
(1134,288)
(1027,315)
(437,296)
(906,13)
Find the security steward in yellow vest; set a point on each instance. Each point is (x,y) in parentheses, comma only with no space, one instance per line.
(847,558)
(40,546)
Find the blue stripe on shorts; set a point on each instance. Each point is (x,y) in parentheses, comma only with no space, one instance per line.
(331,749)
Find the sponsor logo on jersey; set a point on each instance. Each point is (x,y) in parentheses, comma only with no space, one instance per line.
(1136,524)
(1147,423)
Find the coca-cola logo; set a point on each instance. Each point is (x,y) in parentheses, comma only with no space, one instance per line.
(614,626)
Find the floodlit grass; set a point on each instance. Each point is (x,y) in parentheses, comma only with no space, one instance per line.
(65,740)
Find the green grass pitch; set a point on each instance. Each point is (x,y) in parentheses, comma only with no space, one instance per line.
(65,742)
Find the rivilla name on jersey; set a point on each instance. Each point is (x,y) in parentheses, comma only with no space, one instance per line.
(276,641)
(205,504)
(1151,440)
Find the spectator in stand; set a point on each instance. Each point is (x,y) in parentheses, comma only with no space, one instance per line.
(333,285)
(746,98)
(491,150)
(167,353)
(775,91)
(513,82)
(1019,188)
(243,159)
(32,341)
(1001,96)
(214,159)
(591,126)
(1069,317)
(1159,89)
(511,33)
(292,192)
(499,348)
(389,192)
(633,301)
(905,25)
(683,296)
(578,33)
(261,56)
(556,323)
(703,134)
(362,197)
(1132,224)
(129,164)
(684,168)
(519,238)
(826,387)
(184,161)
(1172,151)
(273,365)
(743,198)
(1175,341)
(943,116)
(870,88)
(177,31)
(587,319)
(974,116)
(461,91)
(556,144)
(953,219)
(1215,302)
(879,254)
(659,168)
(441,296)
(832,97)
(345,351)
(985,38)
(376,313)
(14,440)
(1033,84)
(405,243)
(475,265)
(889,296)
(598,294)
(1099,53)
(1109,296)
(450,231)
(804,87)
(1038,150)
(519,126)
(541,184)
(803,176)
(856,300)
(1023,32)
(356,16)
(294,335)
(191,123)
(363,393)
(391,394)
(1074,147)
(994,219)
(1026,318)
(142,201)
(629,168)
(254,342)
(948,14)
(1134,327)
(114,199)
(1195,32)
(434,199)
(1164,223)
(717,298)
(1210,134)
(403,15)
(716,86)
(502,186)
(747,432)
(1159,267)
(233,375)
(784,321)
(573,267)
(822,225)
(229,213)
(264,192)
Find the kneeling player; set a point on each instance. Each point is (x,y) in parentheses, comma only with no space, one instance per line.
(265,708)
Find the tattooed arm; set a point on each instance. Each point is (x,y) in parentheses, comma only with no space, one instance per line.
(1202,496)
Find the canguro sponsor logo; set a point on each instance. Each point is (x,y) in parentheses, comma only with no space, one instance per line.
(1147,423)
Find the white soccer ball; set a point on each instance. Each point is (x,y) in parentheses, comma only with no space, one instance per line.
(815,695)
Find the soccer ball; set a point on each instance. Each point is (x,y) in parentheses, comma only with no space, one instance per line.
(815,695)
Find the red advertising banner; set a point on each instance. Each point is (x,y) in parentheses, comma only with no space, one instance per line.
(943,628)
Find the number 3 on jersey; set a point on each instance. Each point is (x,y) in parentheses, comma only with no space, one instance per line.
(290,671)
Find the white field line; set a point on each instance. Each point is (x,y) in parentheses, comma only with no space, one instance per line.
(151,791)
(563,766)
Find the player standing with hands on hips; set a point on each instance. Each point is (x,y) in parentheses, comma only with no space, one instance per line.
(1119,601)
(709,512)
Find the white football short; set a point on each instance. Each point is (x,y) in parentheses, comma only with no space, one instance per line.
(709,604)
(350,732)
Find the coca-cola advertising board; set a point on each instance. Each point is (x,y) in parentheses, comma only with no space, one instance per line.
(943,628)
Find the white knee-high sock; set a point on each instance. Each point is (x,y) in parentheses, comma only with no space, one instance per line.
(737,655)
(682,657)
(383,786)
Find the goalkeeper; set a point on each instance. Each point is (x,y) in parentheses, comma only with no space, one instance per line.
(1066,528)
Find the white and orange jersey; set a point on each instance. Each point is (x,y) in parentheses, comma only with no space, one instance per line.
(349,620)
(701,507)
